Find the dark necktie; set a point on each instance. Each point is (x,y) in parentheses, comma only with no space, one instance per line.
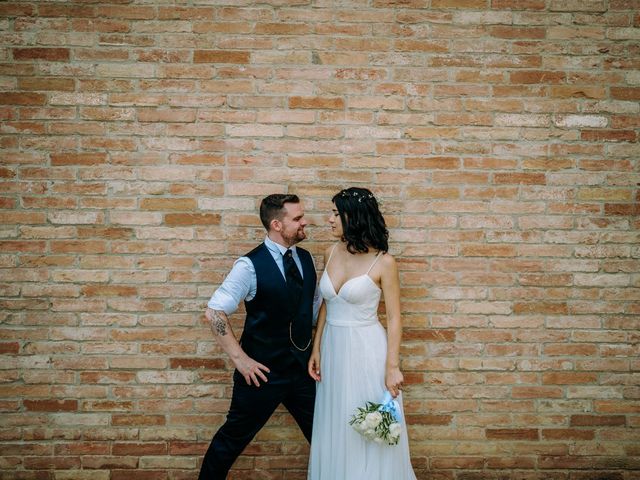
(292,274)
(294,285)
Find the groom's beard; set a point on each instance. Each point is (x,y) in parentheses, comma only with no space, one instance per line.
(299,236)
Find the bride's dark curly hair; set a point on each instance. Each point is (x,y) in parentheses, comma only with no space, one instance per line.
(363,225)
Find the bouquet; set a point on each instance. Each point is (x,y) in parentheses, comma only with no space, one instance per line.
(379,422)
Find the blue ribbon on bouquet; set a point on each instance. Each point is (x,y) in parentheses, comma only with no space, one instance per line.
(390,405)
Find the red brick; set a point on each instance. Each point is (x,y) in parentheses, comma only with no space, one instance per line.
(50,54)
(598,420)
(517,32)
(63,159)
(129,12)
(137,420)
(518,4)
(540,307)
(52,463)
(567,434)
(317,102)
(47,83)
(568,349)
(512,434)
(625,93)
(488,251)
(139,448)
(168,204)
(190,448)
(109,291)
(20,98)
(177,219)
(568,378)
(282,29)
(167,115)
(103,232)
(10,348)
(139,475)
(608,135)
(22,246)
(433,163)
(429,419)
(83,448)
(625,121)
(7,173)
(533,77)
(536,392)
(463,4)
(196,363)
(578,91)
(524,178)
(624,209)
(16,10)
(421,46)
(62,10)
(51,405)
(77,246)
(221,56)
(430,335)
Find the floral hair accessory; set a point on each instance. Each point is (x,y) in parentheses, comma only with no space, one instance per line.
(356,194)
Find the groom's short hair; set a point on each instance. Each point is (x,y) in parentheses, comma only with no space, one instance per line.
(272,207)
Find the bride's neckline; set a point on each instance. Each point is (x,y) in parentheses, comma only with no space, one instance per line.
(337,292)
(366,274)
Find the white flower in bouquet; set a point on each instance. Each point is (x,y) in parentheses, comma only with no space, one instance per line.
(394,431)
(359,427)
(373,419)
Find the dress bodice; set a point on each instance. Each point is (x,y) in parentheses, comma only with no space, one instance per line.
(355,304)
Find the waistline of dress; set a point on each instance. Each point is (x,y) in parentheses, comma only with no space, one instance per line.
(352,324)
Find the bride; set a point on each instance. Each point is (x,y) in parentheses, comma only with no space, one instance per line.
(353,360)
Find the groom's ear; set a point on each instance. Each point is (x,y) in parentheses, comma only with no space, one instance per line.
(276,225)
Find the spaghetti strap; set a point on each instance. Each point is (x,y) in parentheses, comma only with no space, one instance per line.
(374,262)
(330,255)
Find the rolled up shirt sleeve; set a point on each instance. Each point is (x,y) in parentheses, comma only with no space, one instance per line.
(239,285)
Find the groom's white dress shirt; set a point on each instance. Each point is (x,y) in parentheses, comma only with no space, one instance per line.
(241,282)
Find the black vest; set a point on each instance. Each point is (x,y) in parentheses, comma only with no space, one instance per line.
(265,337)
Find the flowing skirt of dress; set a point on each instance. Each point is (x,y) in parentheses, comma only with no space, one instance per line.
(352,360)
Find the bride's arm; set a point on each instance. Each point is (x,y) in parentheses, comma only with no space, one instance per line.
(390,283)
(313,366)
(314,360)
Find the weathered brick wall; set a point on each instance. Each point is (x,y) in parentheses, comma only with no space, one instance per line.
(501,136)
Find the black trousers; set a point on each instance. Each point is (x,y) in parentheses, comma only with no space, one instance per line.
(250,409)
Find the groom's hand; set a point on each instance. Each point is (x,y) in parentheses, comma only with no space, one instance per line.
(252,371)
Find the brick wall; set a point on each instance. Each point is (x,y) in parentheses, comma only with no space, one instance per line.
(501,136)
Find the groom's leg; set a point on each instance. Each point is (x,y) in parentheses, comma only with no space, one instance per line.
(300,402)
(250,409)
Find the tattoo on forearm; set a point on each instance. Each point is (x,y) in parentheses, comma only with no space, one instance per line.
(218,323)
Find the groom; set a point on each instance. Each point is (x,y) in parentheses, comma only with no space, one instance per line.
(277,282)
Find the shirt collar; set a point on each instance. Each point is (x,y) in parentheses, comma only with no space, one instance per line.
(276,247)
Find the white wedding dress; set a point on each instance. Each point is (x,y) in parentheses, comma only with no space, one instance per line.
(352,366)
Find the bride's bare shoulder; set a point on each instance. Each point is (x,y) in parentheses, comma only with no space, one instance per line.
(328,250)
(388,261)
